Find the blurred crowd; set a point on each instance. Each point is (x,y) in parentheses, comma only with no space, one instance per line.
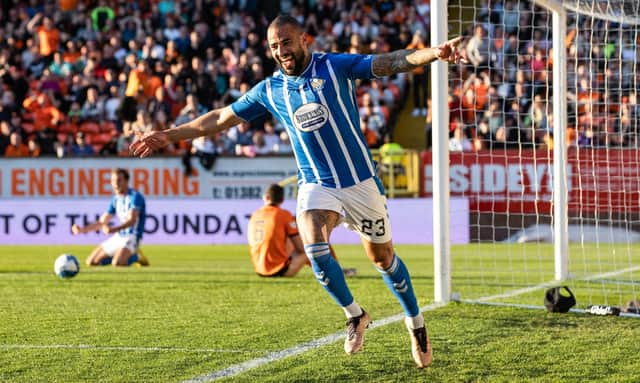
(503,97)
(81,78)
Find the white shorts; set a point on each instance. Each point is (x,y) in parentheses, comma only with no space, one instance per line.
(119,241)
(363,207)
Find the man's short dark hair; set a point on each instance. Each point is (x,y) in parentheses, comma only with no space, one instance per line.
(285,19)
(275,193)
(123,171)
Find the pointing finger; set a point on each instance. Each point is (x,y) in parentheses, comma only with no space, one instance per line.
(455,42)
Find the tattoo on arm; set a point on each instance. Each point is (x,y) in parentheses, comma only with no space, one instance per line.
(402,60)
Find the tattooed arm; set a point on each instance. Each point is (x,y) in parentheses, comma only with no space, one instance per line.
(404,60)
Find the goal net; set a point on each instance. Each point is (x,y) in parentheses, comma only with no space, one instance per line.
(502,127)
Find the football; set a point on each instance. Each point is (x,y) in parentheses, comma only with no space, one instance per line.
(66,266)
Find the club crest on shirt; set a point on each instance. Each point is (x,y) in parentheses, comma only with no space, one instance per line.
(317,83)
(310,117)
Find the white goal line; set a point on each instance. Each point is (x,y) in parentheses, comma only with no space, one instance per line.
(525,290)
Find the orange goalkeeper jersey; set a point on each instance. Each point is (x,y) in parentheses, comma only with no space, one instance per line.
(269,228)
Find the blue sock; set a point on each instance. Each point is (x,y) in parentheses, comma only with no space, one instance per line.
(397,279)
(105,261)
(328,272)
(132,259)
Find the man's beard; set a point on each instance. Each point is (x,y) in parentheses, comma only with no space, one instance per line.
(298,61)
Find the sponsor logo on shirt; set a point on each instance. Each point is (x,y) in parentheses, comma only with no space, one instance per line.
(310,117)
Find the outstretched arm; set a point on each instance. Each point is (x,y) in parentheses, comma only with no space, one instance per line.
(405,60)
(206,125)
(102,221)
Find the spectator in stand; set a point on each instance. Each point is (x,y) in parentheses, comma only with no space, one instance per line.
(478,48)
(5,134)
(373,114)
(259,144)
(93,108)
(85,48)
(17,82)
(33,146)
(159,103)
(47,35)
(370,136)
(459,142)
(138,86)
(81,148)
(64,145)
(201,82)
(143,123)
(419,79)
(16,148)
(240,137)
(74,115)
(270,136)
(46,140)
(284,145)
(112,104)
(59,67)
(150,33)
(110,148)
(45,115)
(125,140)
(191,110)
(204,149)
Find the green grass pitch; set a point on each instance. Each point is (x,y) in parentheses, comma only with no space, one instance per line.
(200,309)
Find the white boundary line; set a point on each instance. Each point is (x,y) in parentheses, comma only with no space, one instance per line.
(295,350)
(316,343)
(115,348)
(513,293)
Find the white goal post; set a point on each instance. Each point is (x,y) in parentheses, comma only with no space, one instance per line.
(573,195)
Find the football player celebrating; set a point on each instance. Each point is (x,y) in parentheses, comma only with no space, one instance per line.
(314,98)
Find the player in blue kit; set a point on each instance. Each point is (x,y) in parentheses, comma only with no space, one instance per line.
(313,96)
(122,249)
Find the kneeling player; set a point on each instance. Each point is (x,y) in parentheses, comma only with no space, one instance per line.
(129,206)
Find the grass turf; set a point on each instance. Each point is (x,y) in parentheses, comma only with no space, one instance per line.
(200,309)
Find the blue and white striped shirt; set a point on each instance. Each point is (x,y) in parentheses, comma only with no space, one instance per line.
(120,207)
(320,112)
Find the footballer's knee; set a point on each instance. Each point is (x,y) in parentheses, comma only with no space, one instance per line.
(121,258)
(95,258)
(381,254)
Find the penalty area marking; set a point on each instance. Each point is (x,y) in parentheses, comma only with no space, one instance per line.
(115,348)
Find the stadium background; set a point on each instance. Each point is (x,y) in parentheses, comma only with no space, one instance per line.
(75,89)
(80,78)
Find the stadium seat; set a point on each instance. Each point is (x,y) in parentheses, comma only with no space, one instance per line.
(103,138)
(67,127)
(89,128)
(108,127)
